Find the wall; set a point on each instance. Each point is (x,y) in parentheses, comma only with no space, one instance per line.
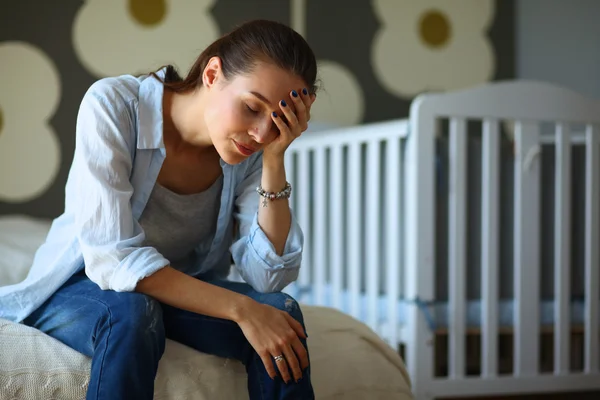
(559,41)
(374,58)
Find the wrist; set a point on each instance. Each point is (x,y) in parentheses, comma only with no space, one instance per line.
(273,161)
(241,309)
(273,174)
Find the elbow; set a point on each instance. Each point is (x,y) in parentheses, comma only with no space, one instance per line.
(99,277)
(276,281)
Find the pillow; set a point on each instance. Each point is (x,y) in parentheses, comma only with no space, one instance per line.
(20,237)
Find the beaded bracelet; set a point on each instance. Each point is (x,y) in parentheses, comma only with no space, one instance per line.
(285,193)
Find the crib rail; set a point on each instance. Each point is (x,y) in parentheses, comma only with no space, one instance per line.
(347,198)
(528,106)
(368,199)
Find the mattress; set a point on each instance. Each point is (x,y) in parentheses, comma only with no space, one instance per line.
(437,314)
(348,360)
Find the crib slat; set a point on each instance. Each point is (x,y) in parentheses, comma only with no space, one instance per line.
(290,171)
(337,234)
(353,219)
(489,251)
(392,237)
(562,250)
(373,233)
(303,196)
(592,241)
(319,225)
(526,248)
(457,246)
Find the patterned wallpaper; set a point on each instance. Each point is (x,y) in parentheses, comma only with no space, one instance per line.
(374,56)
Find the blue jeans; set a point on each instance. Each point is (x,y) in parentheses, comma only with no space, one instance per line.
(124,334)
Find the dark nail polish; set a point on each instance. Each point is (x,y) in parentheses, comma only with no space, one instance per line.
(274,114)
(305,91)
(294,93)
(283,103)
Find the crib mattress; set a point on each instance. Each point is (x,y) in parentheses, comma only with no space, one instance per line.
(439,313)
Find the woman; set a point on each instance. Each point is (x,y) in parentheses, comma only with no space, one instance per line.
(172,178)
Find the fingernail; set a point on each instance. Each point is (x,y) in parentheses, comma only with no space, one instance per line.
(305,91)
(294,93)
(274,114)
(283,103)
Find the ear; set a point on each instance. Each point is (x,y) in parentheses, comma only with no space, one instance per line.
(212,72)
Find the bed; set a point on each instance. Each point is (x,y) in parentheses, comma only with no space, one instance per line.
(467,236)
(349,360)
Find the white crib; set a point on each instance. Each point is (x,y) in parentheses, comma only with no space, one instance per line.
(369,201)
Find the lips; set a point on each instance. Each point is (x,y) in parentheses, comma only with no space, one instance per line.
(243,149)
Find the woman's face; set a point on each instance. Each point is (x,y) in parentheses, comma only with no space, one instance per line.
(237,113)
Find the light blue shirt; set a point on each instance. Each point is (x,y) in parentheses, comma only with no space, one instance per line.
(119,153)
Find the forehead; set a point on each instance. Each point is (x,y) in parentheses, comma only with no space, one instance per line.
(273,82)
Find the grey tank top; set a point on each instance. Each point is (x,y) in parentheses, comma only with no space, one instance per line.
(176,224)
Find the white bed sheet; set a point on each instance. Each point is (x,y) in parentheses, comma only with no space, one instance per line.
(349,361)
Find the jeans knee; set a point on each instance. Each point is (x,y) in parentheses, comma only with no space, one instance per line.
(285,302)
(139,317)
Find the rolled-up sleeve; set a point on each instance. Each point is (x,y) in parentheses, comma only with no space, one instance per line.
(253,253)
(109,237)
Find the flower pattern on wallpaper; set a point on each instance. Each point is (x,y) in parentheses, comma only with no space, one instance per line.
(428,45)
(29,96)
(340,100)
(137,36)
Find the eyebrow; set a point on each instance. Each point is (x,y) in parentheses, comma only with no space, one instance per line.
(261,97)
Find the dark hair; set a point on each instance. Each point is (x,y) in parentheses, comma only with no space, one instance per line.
(241,49)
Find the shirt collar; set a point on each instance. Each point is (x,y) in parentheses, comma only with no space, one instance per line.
(150,116)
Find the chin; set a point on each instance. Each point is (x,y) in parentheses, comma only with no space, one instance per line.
(230,154)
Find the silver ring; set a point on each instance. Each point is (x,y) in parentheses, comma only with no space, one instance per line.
(279,358)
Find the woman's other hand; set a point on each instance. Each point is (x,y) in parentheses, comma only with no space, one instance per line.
(273,332)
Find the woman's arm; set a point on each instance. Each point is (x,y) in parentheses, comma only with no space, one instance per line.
(269,330)
(275,218)
(268,252)
(254,254)
(180,290)
(99,191)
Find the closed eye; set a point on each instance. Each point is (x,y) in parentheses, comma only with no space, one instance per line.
(251,110)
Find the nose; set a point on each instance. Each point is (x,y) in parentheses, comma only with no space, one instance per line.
(261,132)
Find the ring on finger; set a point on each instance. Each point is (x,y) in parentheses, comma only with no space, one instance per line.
(279,358)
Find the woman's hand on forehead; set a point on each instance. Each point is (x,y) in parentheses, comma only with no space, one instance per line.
(291,120)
